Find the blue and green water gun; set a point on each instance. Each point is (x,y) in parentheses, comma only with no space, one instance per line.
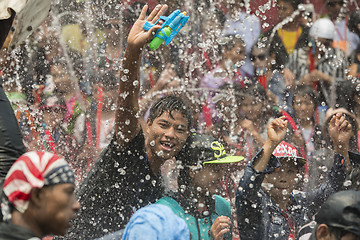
(169,29)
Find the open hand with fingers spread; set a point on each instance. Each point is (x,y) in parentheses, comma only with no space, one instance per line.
(138,37)
(220,227)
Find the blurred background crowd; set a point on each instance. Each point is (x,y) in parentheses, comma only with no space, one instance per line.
(239,64)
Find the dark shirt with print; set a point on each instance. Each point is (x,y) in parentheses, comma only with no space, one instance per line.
(120,182)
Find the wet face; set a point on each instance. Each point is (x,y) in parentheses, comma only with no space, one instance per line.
(285,9)
(52,117)
(208,178)
(333,8)
(303,107)
(166,135)
(59,206)
(280,183)
(252,108)
(258,58)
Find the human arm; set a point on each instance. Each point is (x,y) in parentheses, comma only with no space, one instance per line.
(127,123)
(276,131)
(249,196)
(340,131)
(315,76)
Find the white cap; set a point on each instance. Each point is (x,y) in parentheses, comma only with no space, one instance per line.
(323,28)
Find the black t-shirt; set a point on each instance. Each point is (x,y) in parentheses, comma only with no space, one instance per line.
(120,181)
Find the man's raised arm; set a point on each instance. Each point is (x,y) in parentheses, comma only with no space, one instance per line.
(127,123)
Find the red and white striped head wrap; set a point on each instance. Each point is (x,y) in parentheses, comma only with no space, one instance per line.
(34,170)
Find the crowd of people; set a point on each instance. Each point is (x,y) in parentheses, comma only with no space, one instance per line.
(232,131)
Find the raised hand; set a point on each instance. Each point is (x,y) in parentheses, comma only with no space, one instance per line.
(220,227)
(340,131)
(276,130)
(138,37)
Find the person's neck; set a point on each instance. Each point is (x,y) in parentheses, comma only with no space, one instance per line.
(291,26)
(306,123)
(154,161)
(201,205)
(24,221)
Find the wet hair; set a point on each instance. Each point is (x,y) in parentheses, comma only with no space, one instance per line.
(294,3)
(169,104)
(306,91)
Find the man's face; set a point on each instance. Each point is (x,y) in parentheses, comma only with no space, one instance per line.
(58,208)
(166,135)
(333,8)
(280,183)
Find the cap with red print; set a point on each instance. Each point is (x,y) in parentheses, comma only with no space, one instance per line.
(286,151)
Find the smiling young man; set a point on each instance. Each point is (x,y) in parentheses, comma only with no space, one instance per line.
(267,208)
(38,197)
(126,176)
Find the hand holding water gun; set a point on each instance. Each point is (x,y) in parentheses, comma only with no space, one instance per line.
(169,29)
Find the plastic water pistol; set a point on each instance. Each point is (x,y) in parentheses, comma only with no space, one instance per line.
(169,29)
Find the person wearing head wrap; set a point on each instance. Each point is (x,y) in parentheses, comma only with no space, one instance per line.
(38,197)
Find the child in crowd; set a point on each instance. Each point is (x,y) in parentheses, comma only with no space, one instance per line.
(233,55)
(353,171)
(251,125)
(271,79)
(204,162)
(307,134)
(319,64)
(267,208)
(53,136)
(288,35)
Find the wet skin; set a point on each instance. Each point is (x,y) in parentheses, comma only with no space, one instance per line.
(283,181)
(304,108)
(58,207)
(166,135)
